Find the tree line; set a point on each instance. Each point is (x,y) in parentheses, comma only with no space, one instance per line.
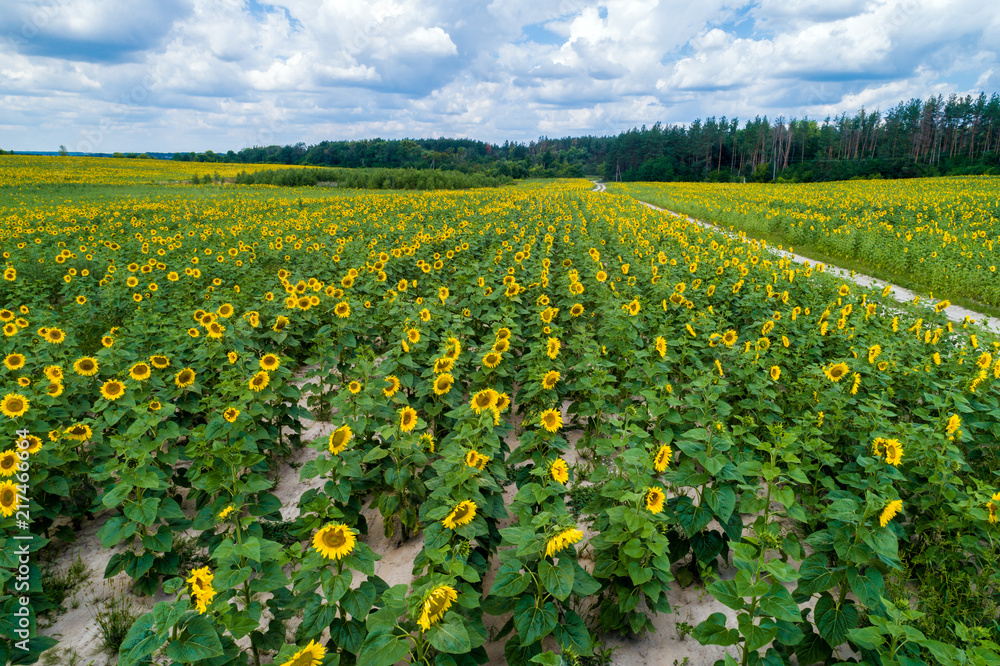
(937,136)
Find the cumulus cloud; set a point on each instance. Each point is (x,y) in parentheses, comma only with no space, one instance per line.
(196,74)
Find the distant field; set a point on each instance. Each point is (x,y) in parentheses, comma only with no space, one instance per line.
(937,234)
(35,169)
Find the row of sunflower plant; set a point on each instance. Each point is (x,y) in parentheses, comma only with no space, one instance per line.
(574,403)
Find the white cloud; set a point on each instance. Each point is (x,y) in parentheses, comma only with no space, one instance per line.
(197,74)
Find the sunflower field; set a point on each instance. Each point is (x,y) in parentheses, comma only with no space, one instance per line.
(936,234)
(570,405)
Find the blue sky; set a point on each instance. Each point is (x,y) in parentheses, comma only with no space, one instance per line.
(166,75)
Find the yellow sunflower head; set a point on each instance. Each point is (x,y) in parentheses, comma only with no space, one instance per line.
(334,541)
(339,439)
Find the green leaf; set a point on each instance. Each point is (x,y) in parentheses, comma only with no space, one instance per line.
(359,602)
(450,637)
(756,636)
(558,580)
(140,642)
(869,638)
(725,592)
(868,588)
(115,530)
(197,641)
(778,604)
(692,518)
(584,584)
(383,648)
(833,623)
(533,623)
(316,617)
(116,495)
(572,633)
(375,454)
(722,501)
(143,511)
(713,631)
(509,582)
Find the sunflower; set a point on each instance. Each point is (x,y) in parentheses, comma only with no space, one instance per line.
(107,341)
(260,381)
(216,330)
(225,512)
(159,361)
(342,310)
(552,347)
(14,405)
(443,365)
(492,359)
(311,655)
(551,379)
(407,419)
(654,499)
(225,311)
(193,332)
(775,373)
(992,506)
(270,362)
(954,423)
(836,372)
(34,443)
(873,352)
(562,540)
(201,588)
(463,514)
(661,346)
(427,442)
(443,383)
(893,451)
(559,471)
(339,439)
(112,389)
(501,346)
(413,335)
(86,366)
(9,502)
(334,541)
(185,378)
(8,462)
(280,323)
(601,276)
(23,382)
(435,604)
(155,405)
(551,420)
(663,458)
(9,330)
(890,511)
(354,387)
(15,361)
(633,307)
(483,400)
(55,336)
(503,333)
(231,414)
(140,371)
(476,460)
(79,432)
(393,386)
(730,337)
